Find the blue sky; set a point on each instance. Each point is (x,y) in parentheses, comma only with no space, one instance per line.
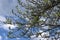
(6,6)
(5,10)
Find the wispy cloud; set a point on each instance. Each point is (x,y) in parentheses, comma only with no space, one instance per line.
(2,19)
(5,10)
(6,6)
(0,37)
(6,26)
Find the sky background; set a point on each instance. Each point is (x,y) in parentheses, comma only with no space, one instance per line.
(5,10)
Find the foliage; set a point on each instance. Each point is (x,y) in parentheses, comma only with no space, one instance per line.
(35,10)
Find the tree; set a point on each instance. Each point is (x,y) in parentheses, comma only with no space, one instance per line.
(40,13)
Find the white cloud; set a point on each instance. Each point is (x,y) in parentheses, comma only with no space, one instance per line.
(2,19)
(5,10)
(45,34)
(27,19)
(6,26)
(38,38)
(42,19)
(45,27)
(33,36)
(40,31)
(0,37)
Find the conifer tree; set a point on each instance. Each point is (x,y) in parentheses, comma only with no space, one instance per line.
(38,14)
